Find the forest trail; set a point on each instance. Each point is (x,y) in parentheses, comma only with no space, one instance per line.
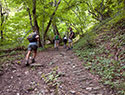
(72,77)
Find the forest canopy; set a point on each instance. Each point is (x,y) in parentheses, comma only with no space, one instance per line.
(19,17)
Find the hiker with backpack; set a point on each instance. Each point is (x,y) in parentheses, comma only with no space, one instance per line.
(56,41)
(70,40)
(33,38)
(65,41)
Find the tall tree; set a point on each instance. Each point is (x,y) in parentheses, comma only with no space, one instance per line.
(36,27)
(51,18)
(2,20)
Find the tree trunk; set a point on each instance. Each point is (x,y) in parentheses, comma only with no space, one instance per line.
(30,18)
(51,18)
(2,20)
(55,29)
(35,21)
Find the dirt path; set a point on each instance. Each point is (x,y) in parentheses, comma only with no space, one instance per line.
(72,78)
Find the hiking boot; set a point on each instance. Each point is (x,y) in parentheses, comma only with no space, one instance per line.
(27,63)
(71,47)
(33,60)
(57,48)
(68,49)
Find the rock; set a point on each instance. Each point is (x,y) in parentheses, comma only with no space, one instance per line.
(43,92)
(72,91)
(73,66)
(18,94)
(14,71)
(60,86)
(18,75)
(99,94)
(51,63)
(78,71)
(96,88)
(26,72)
(89,88)
(11,77)
(82,79)
(39,73)
(35,89)
(69,62)
(82,86)
(62,53)
(37,65)
(8,90)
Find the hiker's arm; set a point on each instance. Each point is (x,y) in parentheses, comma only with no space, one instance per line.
(71,35)
(37,37)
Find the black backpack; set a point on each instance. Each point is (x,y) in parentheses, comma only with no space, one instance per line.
(31,37)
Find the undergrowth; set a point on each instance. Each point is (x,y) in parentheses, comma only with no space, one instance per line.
(103,54)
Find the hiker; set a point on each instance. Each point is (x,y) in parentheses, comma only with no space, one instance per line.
(33,38)
(65,41)
(70,42)
(56,41)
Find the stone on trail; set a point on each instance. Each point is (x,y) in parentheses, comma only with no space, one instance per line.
(39,73)
(68,63)
(18,94)
(62,53)
(51,63)
(89,88)
(36,65)
(72,92)
(96,88)
(26,72)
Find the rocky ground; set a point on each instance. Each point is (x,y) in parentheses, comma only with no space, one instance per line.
(54,73)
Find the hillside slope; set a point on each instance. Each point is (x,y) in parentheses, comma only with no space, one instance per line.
(104,54)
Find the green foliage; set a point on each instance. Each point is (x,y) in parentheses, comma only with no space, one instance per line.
(101,59)
(87,41)
(51,78)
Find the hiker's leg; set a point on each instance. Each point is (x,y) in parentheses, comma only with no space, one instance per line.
(34,53)
(28,54)
(71,44)
(58,43)
(68,48)
(64,44)
(55,44)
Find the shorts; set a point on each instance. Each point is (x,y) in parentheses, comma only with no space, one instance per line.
(57,41)
(70,40)
(32,46)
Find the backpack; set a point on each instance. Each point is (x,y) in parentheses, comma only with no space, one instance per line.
(31,37)
(73,35)
(57,37)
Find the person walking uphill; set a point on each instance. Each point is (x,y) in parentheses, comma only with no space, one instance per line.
(33,38)
(56,41)
(71,36)
(65,41)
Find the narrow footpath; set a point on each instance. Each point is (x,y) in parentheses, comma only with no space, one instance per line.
(54,73)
